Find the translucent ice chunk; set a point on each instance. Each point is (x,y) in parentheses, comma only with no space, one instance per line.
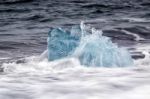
(100,51)
(88,45)
(60,44)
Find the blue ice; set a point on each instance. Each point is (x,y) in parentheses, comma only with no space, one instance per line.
(88,45)
(61,44)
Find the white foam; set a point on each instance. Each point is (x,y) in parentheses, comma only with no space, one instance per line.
(137,37)
(67,79)
(131,19)
(144,48)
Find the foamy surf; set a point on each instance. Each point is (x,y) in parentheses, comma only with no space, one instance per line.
(66,78)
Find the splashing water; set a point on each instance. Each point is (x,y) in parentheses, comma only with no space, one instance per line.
(88,45)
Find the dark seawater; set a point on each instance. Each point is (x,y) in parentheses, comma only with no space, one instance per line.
(24,24)
(24,27)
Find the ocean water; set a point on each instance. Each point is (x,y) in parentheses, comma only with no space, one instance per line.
(24,27)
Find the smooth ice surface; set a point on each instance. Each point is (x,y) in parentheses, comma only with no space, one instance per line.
(88,45)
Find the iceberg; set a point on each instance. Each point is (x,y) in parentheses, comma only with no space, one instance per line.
(61,44)
(88,45)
